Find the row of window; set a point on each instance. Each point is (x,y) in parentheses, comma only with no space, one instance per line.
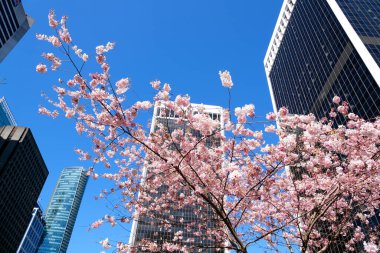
(8,21)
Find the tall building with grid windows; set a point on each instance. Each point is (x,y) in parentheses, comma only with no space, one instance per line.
(63,209)
(22,175)
(144,228)
(33,234)
(324,48)
(6,116)
(14,23)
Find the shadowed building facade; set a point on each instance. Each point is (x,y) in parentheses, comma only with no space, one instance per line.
(22,175)
(14,23)
(63,209)
(33,234)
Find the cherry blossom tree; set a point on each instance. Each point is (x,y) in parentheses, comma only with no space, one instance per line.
(333,180)
(317,188)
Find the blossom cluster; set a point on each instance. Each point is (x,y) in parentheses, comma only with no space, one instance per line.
(319,176)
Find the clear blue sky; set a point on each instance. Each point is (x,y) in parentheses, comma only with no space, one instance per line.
(184,43)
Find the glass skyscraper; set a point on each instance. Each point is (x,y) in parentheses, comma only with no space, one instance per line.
(324,48)
(63,209)
(14,23)
(152,229)
(33,234)
(22,175)
(6,116)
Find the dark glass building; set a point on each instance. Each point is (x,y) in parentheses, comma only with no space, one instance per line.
(152,229)
(63,209)
(324,48)
(14,23)
(33,234)
(6,116)
(22,175)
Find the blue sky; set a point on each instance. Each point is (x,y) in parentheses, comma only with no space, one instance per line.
(184,43)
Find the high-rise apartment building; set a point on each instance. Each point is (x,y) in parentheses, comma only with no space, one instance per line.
(33,234)
(22,175)
(14,23)
(152,229)
(324,48)
(63,209)
(6,116)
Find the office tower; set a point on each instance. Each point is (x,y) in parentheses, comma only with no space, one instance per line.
(152,229)
(14,23)
(6,116)
(63,209)
(22,175)
(33,234)
(324,48)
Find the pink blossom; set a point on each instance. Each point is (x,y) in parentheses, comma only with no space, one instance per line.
(370,247)
(101,49)
(143,105)
(110,46)
(79,127)
(336,100)
(55,41)
(84,155)
(65,36)
(249,110)
(56,62)
(100,59)
(270,129)
(71,83)
(124,248)
(43,110)
(41,68)
(52,22)
(155,84)
(339,170)
(63,21)
(97,224)
(332,114)
(182,101)
(105,243)
(52,39)
(110,153)
(105,67)
(343,109)
(85,57)
(110,219)
(352,116)
(40,36)
(283,112)
(167,87)
(271,116)
(69,113)
(226,79)
(122,85)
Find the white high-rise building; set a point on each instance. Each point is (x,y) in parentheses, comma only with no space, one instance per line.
(152,229)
